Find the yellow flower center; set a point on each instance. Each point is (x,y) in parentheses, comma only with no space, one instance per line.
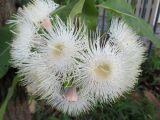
(58,50)
(103,70)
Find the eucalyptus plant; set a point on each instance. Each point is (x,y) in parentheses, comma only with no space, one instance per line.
(64,59)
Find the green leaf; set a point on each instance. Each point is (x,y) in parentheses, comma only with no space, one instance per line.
(64,11)
(62,2)
(58,9)
(8,97)
(89,14)
(142,28)
(23,2)
(5,40)
(121,8)
(52,118)
(134,3)
(77,9)
(84,8)
(109,19)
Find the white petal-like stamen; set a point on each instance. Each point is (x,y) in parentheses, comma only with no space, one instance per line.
(127,41)
(35,75)
(64,45)
(104,72)
(21,46)
(36,11)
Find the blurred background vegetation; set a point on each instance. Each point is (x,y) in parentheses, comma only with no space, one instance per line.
(143,103)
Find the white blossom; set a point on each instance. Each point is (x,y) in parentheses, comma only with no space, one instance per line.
(35,11)
(104,72)
(22,43)
(62,48)
(39,82)
(128,42)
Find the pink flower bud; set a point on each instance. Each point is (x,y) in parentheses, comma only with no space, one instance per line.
(46,23)
(71,94)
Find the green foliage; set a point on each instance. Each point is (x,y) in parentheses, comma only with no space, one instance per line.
(64,117)
(23,2)
(121,8)
(125,109)
(84,9)
(63,2)
(90,14)
(142,28)
(5,41)
(118,6)
(133,107)
(77,9)
(153,62)
(8,97)
(134,3)
(64,12)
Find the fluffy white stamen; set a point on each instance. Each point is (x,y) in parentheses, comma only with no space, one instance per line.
(37,11)
(21,46)
(104,72)
(128,42)
(64,45)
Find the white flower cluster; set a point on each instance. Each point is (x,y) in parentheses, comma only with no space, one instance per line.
(69,68)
